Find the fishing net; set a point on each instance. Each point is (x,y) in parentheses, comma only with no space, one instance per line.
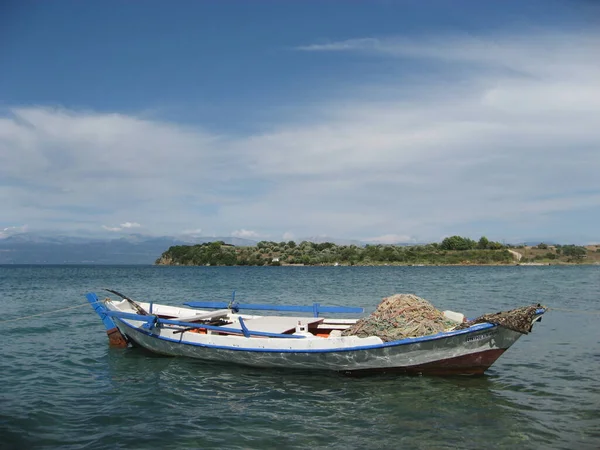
(401,316)
(519,319)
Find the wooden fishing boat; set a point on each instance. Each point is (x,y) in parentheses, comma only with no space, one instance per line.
(298,342)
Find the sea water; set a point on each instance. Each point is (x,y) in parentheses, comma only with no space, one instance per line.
(61,386)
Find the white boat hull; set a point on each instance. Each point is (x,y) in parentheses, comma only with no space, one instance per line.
(469,351)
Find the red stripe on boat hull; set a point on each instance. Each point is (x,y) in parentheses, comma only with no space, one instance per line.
(472,364)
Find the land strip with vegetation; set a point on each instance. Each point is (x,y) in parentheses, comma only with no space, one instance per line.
(454,250)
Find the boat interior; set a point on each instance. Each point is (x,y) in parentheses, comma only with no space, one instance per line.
(319,327)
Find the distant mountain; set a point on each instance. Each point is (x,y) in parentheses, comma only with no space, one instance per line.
(399,244)
(31,248)
(240,242)
(336,241)
(45,239)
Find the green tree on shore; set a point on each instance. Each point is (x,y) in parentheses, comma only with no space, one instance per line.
(457,243)
(453,250)
(483,243)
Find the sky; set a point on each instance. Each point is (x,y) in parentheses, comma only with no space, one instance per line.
(384,121)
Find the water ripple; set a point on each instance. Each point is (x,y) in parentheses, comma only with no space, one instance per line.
(64,388)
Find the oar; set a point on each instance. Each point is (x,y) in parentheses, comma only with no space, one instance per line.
(137,307)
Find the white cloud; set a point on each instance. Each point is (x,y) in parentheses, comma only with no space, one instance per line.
(372,44)
(246,234)
(8,231)
(123,226)
(548,52)
(130,225)
(505,135)
(288,236)
(107,228)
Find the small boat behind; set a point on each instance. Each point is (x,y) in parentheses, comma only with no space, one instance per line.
(445,344)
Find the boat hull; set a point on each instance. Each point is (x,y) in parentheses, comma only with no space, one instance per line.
(469,352)
(469,364)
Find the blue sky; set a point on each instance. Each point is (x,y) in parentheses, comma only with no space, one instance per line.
(385,121)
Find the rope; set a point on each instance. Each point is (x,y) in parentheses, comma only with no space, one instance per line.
(47,312)
(573,310)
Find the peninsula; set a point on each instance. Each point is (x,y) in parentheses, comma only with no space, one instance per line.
(454,250)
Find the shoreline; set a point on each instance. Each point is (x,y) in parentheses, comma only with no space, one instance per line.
(536,264)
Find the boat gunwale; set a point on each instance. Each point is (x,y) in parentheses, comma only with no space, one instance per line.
(407,341)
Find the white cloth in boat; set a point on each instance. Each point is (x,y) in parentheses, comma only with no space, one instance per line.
(279,324)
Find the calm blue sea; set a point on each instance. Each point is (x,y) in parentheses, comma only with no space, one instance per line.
(62,387)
